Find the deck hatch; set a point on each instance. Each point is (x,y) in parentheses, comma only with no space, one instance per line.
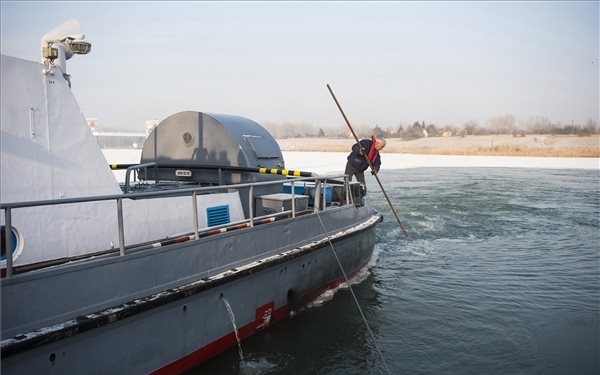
(217,215)
(263,148)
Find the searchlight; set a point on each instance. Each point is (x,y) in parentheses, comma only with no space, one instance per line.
(61,44)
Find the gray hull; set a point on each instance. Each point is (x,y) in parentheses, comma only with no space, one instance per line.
(162,310)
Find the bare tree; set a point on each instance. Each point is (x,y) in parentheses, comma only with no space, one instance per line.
(471,127)
(504,124)
(539,125)
(431,130)
(591,127)
(291,129)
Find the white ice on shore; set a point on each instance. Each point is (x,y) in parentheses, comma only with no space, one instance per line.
(323,162)
(335,162)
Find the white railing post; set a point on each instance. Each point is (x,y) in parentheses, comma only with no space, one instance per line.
(347,188)
(121,230)
(251,205)
(317,195)
(195,208)
(293,200)
(324,194)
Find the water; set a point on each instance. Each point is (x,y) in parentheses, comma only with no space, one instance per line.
(237,335)
(500,275)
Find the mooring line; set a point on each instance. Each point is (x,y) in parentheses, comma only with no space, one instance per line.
(354,297)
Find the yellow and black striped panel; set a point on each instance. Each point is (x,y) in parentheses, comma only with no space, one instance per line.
(284,172)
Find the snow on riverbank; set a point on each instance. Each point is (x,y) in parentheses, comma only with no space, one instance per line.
(324,162)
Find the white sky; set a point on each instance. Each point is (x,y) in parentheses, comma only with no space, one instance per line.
(444,63)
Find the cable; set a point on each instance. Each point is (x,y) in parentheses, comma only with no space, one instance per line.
(354,297)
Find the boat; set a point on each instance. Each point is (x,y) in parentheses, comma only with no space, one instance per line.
(101,276)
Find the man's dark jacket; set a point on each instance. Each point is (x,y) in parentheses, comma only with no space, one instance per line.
(359,161)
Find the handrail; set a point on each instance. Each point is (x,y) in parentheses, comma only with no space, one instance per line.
(151,194)
(136,167)
(8,207)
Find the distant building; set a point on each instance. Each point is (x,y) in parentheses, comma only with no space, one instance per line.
(151,124)
(93,123)
(117,139)
(447,133)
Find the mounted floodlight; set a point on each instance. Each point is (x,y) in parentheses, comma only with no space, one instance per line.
(80,47)
(61,44)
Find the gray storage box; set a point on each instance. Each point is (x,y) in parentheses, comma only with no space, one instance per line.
(274,203)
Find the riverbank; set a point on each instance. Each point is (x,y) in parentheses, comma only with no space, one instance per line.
(335,162)
(483,145)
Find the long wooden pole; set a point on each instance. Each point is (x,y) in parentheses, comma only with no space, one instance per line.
(369,161)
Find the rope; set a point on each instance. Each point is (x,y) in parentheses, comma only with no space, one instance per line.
(355,299)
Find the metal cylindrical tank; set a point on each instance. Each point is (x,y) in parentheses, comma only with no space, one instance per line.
(210,148)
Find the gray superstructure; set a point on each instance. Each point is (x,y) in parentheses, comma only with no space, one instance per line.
(100,277)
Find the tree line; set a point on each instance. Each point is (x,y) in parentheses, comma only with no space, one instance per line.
(505,124)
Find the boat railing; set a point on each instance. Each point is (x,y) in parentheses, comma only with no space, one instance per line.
(136,168)
(319,204)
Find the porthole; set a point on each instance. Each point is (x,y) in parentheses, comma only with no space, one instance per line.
(16,243)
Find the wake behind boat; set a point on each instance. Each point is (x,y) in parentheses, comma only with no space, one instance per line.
(137,277)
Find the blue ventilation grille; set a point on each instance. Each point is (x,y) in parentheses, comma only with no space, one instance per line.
(217,215)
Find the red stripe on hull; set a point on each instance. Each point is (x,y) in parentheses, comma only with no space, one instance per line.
(228,341)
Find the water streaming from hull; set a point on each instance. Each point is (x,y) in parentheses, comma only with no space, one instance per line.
(237,335)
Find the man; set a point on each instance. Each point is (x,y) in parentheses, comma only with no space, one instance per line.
(357,160)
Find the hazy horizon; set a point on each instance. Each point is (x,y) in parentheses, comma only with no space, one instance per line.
(445,63)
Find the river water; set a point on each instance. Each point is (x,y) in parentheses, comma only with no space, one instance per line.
(500,274)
